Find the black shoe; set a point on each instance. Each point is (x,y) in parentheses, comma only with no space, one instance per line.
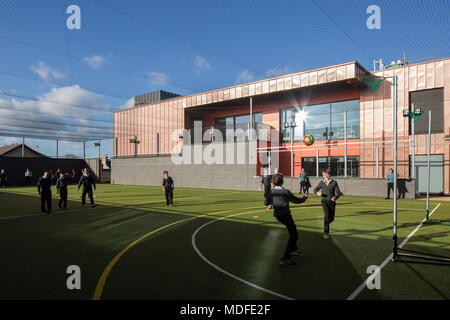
(93,205)
(297,253)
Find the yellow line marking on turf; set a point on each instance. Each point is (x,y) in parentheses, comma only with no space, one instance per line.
(101,282)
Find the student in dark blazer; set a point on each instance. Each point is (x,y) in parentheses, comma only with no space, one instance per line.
(328,190)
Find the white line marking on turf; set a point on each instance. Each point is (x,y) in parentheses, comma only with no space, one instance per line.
(226,272)
(389,258)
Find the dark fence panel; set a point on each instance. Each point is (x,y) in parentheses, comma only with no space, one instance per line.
(16,167)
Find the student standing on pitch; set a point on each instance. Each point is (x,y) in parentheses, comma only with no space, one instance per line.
(88,182)
(168,186)
(45,190)
(280,197)
(329,190)
(266,181)
(28,176)
(3,179)
(302,179)
(390,180)
(61,188)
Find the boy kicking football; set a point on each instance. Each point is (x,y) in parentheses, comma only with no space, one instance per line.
(280,197)
(329,191)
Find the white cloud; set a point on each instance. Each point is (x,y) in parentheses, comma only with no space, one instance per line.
(128,104)
(95,62)
(158,78)
(201,63)
(47,73)
(244,77)
(60,105)
(277,71)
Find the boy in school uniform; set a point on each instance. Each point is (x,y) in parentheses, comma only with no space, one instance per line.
(45,191)
(266,181)
(88,182)
(280,197)
(168,186)
(328,190)
(3,179)
(302,179)
(61,188)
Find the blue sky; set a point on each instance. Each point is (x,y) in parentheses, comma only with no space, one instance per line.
(71,80)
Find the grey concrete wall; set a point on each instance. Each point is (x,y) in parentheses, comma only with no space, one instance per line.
(356,186)
(149,171)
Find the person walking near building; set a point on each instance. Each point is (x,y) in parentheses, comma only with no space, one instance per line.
(328,190)
(28,176)
(303,182)
(3,179)
(390,182)
(61,188)
(168,186)
(88,182)
(45,191)
(266,182)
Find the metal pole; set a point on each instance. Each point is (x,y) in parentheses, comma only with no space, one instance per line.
(317,163)
(377,149)
(99,149)
(84,150)
(395,111)
(270,162)
(292,151)
(345,141)
(250,134)
(23,147)
(413,138)
(428,167)
(57,151)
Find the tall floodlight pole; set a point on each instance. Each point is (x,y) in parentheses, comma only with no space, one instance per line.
(250,133)
(428,167)
(23,147)
(84,150)
(345,143)
(413,142)
(395,96)
(291,125)
(57,151)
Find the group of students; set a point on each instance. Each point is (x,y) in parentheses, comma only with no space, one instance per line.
(45,189)
(277,197)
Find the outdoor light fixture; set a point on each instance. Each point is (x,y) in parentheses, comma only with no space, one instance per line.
(418,112)
(134,140)
(97,144)
(406,113)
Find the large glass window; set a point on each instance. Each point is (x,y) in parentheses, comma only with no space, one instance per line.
(335,164)
(234,123)
(323,121)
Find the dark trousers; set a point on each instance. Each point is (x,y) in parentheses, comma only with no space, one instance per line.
(89,192)
(266,197)
(62,198)
(169,196)
(287,220)
(3,184)
(329,208)
(389,187)
(46,198)
(27,180)
(304,187)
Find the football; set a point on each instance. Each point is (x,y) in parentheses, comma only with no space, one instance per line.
(308,140)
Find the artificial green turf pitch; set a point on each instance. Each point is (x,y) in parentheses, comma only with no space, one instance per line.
(36,249)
